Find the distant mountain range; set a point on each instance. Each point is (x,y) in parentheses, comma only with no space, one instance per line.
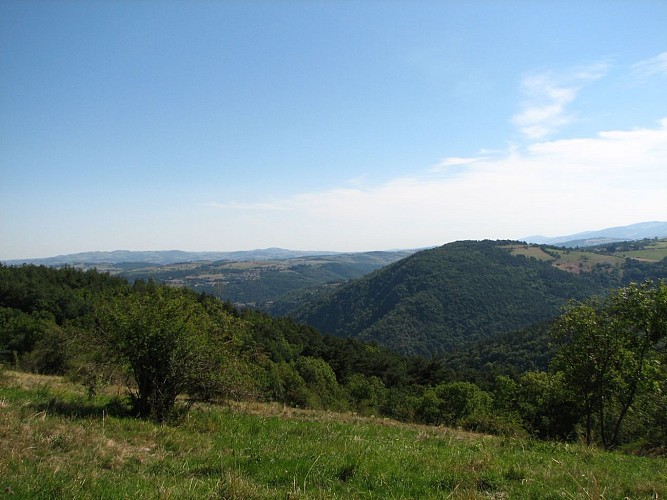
(162,257)
(639,231)
(445,300)
(642,230)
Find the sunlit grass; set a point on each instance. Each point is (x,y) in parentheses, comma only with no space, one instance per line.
(583,261)
(533,251)
(654,252)
(57,444)
(568,260)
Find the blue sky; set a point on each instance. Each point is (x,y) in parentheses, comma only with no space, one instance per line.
(324,125)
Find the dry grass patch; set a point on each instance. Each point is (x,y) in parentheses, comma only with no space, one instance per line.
(530,251)
(32,381)
(580,261)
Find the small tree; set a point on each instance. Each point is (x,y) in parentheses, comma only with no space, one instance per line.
(607,351)
(169,344)
(462,401)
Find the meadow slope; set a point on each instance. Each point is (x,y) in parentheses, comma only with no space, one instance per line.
(57,443)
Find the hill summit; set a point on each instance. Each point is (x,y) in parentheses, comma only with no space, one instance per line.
(442,298)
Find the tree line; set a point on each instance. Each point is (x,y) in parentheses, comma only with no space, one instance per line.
(605,385)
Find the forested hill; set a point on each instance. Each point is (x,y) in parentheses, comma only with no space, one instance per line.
(172,347)
(443,298)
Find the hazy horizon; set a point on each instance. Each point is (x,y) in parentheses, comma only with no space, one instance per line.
(529,238)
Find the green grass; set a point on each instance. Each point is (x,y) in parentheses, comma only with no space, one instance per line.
(569,260)
(584,261)
(654,252)
(57,444)
(529,251)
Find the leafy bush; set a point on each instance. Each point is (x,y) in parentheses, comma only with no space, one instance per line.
(321,381)
(170,345)
(366,393)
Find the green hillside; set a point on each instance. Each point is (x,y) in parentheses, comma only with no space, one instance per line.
(57,443)
(609,257)
(439,299)
(161,349)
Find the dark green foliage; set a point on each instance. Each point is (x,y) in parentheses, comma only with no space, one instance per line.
(511,354)
(41,308)
(452,404)
(65,293)
(181,346)
(446,297)
(366,394)
(610,356)
(19,331)
(541,402)
(285,385)
(171,343)
(49,355)
(321,380)
(638,271)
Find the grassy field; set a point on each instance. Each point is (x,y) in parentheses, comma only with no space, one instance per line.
(584,261)
(654,252)
(55,443)
(529,251)
(568,260)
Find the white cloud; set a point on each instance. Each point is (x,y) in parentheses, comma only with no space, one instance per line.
(564,186)
(655,66)
(238,205)
(543,111)
(448,163)
(357,181)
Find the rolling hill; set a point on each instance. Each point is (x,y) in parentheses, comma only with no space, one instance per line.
(449,297)
(433,302)
(258,283)
(254,278)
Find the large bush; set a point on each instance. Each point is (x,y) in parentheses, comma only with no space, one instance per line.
(169,344)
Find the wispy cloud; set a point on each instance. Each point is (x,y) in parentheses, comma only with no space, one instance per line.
(649,68)
(448,163)
(260,205)
(546,97)
(615,177)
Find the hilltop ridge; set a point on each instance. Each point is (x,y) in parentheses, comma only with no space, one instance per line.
(163,257)
(441,299)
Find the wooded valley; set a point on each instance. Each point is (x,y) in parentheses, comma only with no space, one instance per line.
(477,335)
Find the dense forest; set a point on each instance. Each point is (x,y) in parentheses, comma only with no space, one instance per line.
(452,297)
(173,347)
(444,298)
